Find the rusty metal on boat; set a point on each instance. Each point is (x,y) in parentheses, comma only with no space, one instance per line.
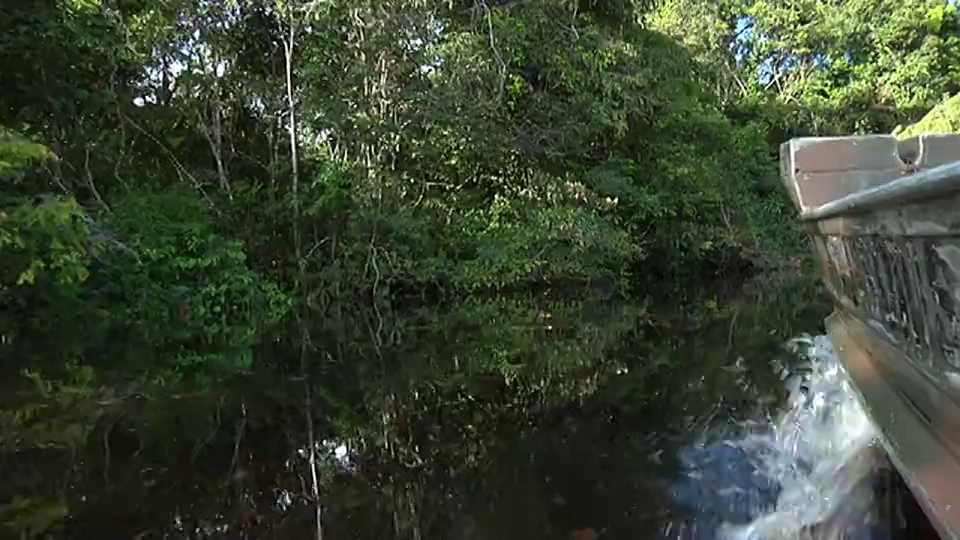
(884,219)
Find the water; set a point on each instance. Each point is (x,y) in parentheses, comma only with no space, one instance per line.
(501,418)
(808,473)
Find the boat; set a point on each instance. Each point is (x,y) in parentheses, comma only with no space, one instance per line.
(883,216)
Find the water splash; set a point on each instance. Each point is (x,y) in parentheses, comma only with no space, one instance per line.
(807,474)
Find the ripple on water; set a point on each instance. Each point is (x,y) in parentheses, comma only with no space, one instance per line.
(807,473)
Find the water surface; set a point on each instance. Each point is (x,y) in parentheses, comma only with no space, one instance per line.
(529,417)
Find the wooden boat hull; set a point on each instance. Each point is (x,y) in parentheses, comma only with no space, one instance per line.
(915,447)
(884,219)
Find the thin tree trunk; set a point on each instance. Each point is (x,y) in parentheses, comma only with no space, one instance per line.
(289,47)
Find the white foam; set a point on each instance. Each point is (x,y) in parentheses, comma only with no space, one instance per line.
(820,451)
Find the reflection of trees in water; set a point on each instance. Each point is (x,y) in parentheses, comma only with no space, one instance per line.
(521,418)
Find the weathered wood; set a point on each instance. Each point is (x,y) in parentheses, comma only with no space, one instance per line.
(928,468)
(835,175)
(926,184)
(884,216)
(820,170)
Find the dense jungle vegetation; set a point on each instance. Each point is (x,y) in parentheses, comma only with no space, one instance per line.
(232,232)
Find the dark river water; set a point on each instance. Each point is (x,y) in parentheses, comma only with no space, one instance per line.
(548,416)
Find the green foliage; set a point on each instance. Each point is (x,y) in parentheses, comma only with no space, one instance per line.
(944,118)
(32,517)
(826,68)
(199,308)
(44,241)
(196,195)
(149,281)
(17,152)
(513,243)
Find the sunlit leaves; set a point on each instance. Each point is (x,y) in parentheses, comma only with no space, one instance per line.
(17,152)
(49,238)
(944,118)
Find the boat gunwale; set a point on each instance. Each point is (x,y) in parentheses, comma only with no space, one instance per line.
(924,184)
